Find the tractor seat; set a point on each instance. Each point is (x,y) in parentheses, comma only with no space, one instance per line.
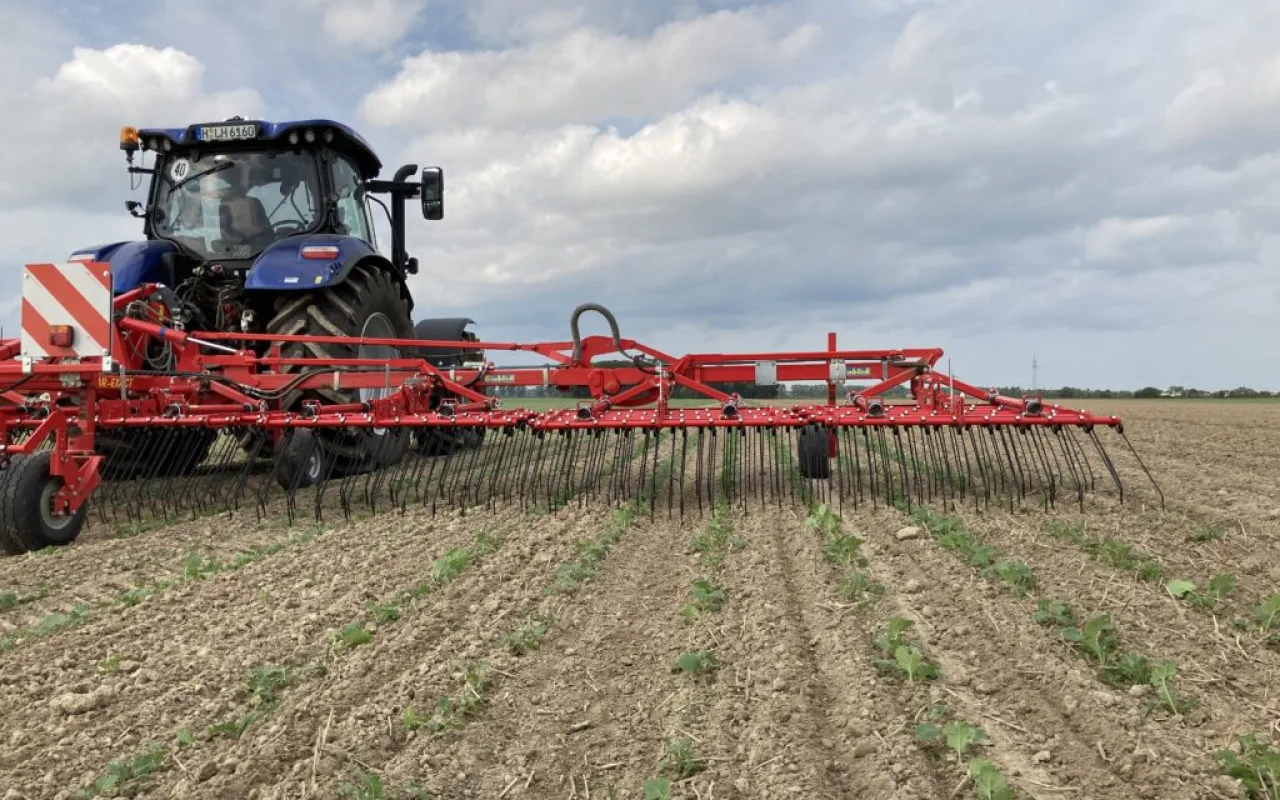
(245,220)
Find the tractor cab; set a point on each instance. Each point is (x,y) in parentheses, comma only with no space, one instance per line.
(226,192)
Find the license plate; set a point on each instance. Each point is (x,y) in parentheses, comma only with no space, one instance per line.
(227,133)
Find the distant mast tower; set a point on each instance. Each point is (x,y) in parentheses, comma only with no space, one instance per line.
(1035,369)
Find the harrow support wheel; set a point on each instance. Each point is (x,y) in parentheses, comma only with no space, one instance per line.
(443,441)
(814,445)
(369,303)
(27,521)
(300,460)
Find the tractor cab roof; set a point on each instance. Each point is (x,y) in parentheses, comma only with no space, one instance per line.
(242,132)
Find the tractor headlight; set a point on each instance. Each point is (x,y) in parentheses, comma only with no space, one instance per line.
(310,136)
(293,137)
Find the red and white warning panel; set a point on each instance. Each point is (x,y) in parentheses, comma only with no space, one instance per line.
(66,310)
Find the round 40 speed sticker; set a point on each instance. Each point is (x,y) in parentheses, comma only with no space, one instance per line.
(179,169)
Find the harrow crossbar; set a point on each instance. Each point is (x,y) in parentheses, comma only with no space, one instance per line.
(230,386)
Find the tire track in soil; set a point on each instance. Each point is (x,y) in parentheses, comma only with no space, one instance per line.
(606,663)
(185,654)
(1228,679)
(351,715)
(999,666)
(814,719)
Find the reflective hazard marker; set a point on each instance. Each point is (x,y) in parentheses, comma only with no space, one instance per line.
(66,310)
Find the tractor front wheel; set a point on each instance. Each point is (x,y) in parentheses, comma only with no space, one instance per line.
(27,518)
(369,304)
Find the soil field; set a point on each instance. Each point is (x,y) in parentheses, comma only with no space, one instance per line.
(801,651)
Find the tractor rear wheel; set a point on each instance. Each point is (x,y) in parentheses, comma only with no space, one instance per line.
(27,521)
(368,304)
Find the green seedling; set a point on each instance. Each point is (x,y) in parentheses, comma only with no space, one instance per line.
(354,634)
(912,664)
(707,597)
(716,540)
(1209,532)
(989,781)
(1208,600)
(1016,575)
(823,520)
(1268,614)
(1129,669)
(1097,639)
(698,664)
(959,736)
(266,683)
(1257,767)
(681,759)
(858,587)
(124,778)
(1051,613)
(452,713)
(369,787)
(845,550)
(383,614)
(529,636)
(8,600)
(186,738)
(889,639)
(657,789)
(197,567)
(448,566)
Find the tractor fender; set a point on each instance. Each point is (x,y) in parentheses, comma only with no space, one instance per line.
(132,263)
(445,329)
(282,267)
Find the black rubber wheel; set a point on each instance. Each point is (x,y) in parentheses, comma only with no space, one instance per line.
(443,441)
(300,460)
(130,452)
(368,303)
(814,444)
(27,521)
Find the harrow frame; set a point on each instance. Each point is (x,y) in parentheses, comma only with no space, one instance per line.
(224,380)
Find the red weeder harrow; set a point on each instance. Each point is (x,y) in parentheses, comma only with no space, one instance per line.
(201,423)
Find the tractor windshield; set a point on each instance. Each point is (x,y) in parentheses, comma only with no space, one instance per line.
(232,205)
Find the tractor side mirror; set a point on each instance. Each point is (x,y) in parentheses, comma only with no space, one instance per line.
(432,193)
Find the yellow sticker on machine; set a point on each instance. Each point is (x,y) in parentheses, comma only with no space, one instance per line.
(111,382)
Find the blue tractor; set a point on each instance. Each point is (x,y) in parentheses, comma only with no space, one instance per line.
(263,227)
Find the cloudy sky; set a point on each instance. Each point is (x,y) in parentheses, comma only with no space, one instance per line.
(1094,182)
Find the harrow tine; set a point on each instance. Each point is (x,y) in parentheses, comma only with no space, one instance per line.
(1037,438)
(1069,458)
(1143,465)
(1106,459)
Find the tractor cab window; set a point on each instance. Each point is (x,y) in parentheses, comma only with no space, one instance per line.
(233,205)
(353,213)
